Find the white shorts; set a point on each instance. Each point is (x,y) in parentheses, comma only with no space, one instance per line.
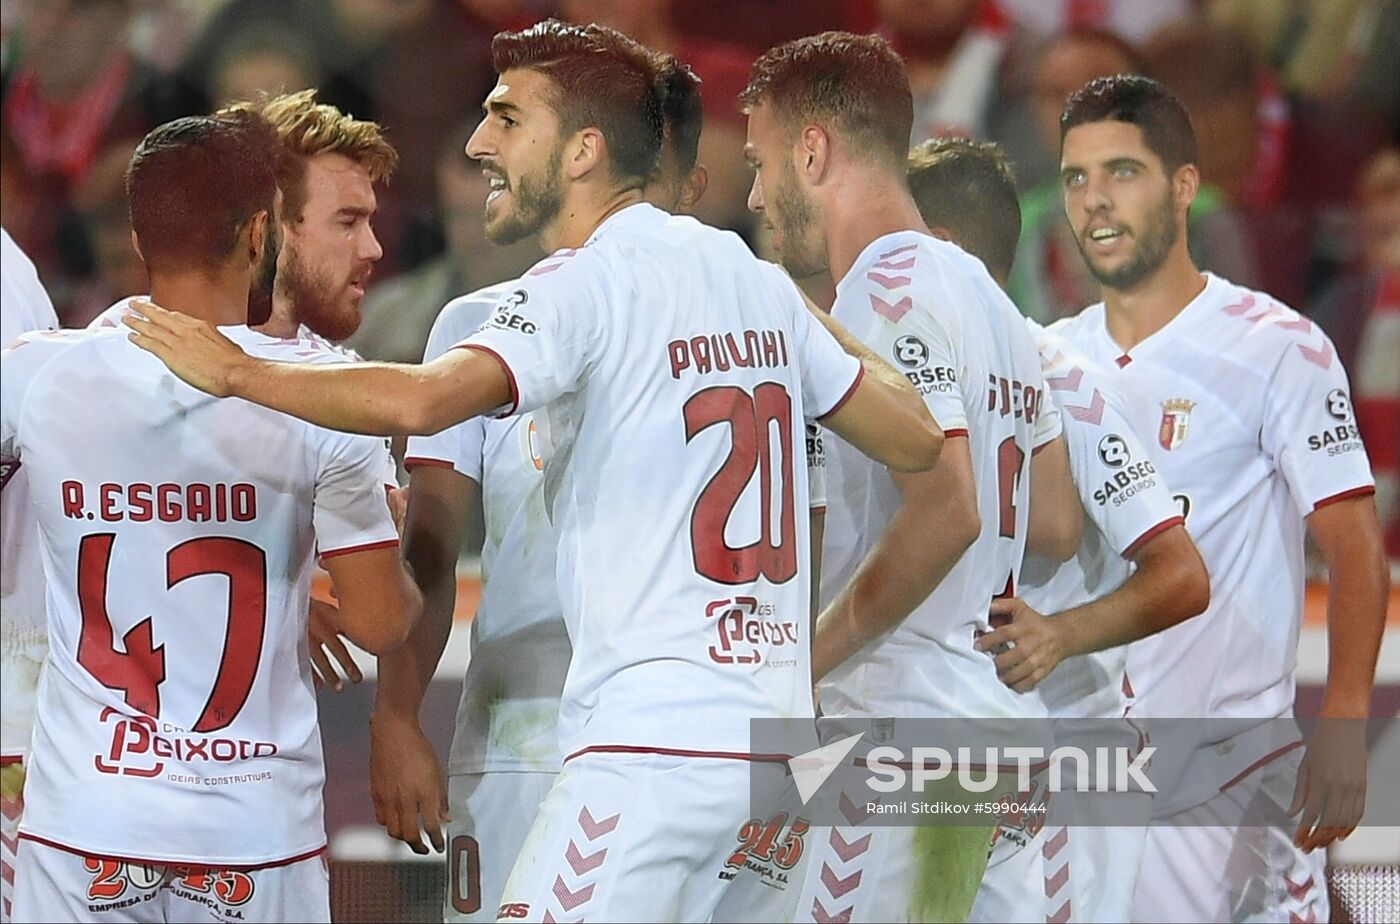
(491,814)
(630,837)
(1193,870)
(864,872)
(59,885)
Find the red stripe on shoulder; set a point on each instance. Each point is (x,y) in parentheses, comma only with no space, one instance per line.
(412,462)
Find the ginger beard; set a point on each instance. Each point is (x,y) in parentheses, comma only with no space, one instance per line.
(531,201)
(330,307)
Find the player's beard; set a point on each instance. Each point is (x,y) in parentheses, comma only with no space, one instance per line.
(535,199)
(1154,243)
(264,279)
(794,217)
(316,301)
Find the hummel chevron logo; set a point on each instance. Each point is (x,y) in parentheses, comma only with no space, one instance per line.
(580,864)
(810,770)
(568,898)
(822,916)
(1067,382)
(893,312)
(848,851)
(596,829)
(837,886)
(1093,413)
(889,282)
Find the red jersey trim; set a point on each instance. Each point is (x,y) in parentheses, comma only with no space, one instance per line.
(1267,758)
(1035,450)
(216,864)
(860,374)
(677,752)
(7,759)
(367,547)
(412,462)
(510,375)
(1123,360)
(818,509)
(956,431)
(1344,495)
(1140,541)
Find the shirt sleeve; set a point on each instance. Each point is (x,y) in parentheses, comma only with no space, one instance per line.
(348,511)
(919,345)
(460,446)
(1309,426)
(1121,490)
(543,332)
(829,374)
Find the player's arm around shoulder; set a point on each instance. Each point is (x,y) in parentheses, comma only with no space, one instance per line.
(383,399)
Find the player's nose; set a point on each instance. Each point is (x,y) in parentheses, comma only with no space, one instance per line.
(755,202)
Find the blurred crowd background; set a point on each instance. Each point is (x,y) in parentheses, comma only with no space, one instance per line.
(1296,104)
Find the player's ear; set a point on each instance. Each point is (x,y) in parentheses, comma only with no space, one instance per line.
(258,238)
(584,153)
(694,188)
(813,153)
(136,246)
(1185,184)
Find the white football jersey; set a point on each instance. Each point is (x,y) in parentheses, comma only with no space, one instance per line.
(306,347)
(675,371)
(1244,409)
(508,715)
(178,535)
(24,307)
(1125,502)
(931,310)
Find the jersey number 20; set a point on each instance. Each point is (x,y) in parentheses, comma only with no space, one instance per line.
(755,421)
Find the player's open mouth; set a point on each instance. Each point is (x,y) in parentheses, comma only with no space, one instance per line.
(498,187)
(1104,238)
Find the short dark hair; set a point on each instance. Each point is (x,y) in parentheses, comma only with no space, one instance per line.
(968,187)
(682,109)
(857,82)
(195,182)
(1141,101)
(603,80)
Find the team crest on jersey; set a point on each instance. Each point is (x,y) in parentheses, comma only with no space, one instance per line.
(1176,413)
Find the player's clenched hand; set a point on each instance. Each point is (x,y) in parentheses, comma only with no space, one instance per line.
(1036,645)
(326,641)
(193,349)
(406,782)
(1331,788)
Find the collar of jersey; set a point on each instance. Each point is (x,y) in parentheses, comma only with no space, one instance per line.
(637,211)
(1207,295)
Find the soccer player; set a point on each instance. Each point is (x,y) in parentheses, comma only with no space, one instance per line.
(904,593)
(330,165)
(676,371)
(504,754)
(176,767)
(24,307)
(1136,571)
(1245,411)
